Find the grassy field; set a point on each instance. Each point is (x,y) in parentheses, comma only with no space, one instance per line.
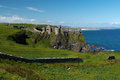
(94,67)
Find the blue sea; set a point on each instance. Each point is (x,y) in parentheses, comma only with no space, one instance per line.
(109,39)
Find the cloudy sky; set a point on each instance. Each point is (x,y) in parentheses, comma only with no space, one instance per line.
(76,13)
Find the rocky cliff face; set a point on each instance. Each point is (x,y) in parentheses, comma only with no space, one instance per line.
(70,41)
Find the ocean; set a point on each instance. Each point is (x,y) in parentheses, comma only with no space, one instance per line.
(109,39)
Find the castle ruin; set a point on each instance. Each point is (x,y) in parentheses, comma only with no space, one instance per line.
(58,30)
(49,30)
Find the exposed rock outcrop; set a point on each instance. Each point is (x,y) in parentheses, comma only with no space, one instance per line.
(70,41)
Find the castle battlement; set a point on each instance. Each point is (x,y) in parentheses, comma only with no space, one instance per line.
(58,30)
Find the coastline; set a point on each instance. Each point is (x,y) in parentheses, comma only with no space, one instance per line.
(98,49)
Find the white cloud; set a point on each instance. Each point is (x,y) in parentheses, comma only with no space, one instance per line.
(2,6)
(115,23)
(15,19)
(18,19)
(62,22)
(35,9)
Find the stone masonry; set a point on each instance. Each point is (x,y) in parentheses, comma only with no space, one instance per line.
(58,30)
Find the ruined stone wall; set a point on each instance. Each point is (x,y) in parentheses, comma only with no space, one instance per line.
(56,31)
(48,29)
(46,60)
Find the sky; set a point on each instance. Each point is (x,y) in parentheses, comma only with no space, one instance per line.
(75,13)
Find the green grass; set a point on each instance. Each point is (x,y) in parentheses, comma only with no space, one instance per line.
(4,75)
(94,67)
(107,70)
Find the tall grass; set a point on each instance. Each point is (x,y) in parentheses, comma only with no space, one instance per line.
(59,71)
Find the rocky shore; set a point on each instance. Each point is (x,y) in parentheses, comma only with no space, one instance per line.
(75,42)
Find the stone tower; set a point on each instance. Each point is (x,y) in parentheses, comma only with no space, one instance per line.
(60,30)
(43,29)
(56,31)
(48,29)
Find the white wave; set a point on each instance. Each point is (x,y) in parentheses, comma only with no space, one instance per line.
(110,50)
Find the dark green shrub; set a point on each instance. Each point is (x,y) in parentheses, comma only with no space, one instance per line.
(19,37)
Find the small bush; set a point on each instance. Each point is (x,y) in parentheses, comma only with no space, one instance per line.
(19,37)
